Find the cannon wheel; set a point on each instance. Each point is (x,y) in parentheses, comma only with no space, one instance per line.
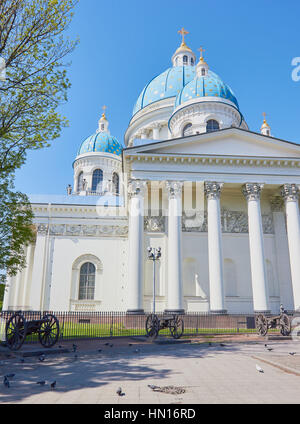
(285,325)
(15,331)
(261,324)
(152,326)
(176,327)
(49,330)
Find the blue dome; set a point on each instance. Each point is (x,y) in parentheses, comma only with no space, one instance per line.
(167,84)
(209,86)
(101,142)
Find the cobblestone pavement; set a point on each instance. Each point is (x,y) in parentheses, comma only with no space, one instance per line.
(209,374)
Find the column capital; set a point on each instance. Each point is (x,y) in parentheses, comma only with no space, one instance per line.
(252,191)
(290,192)
(136,188)
(174,188)
(276,203)
(213,189)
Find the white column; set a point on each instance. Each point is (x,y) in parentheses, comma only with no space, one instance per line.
(215,253)
(38,271)
(174,191)
(24,286)
(17,288)
(252,192)
(136,191)
(290,192)
(282,264)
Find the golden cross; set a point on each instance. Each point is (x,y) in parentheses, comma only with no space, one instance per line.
(183,32)
(201,50)
(264,115)
(104,109)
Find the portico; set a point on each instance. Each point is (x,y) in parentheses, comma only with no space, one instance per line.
(237,188)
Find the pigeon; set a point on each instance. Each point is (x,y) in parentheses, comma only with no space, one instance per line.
(222,344)
(42,358)
(119,392)
(111,345)
(292,353)
(74,347)
(10,375)
(41,383)
(106,344)
(22,360)
(266,345)
(52,385)
(129,344)
(6,382)
(269,349)
(59,347)
(259,369)
(99,350)
(152,386)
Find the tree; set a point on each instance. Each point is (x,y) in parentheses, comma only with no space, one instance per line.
(33,45)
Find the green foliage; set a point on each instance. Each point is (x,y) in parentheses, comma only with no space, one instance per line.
(15,229)
(33,45)
(2,288)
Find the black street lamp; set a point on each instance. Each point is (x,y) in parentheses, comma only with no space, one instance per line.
(154,255)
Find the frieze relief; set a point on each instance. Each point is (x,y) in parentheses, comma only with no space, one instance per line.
(83,230)
(231,222)
(154,224)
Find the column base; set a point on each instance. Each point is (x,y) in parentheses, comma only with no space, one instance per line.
(219,311)
(135,312)
(174,311)
(262,312)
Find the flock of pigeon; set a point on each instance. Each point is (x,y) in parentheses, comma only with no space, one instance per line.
(6,380)
(42,358)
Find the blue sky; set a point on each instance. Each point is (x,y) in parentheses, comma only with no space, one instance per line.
(124,44)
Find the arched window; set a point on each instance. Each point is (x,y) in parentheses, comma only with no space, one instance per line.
(80,182)
(87,281)
(187,130)
(203,72)
(116,183)
(212,125)
(185,60)
(97,180)
(192,61)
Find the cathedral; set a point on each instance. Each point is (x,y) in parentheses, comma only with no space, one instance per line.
(221,202)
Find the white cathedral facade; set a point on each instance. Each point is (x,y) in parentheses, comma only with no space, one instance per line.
(221,201)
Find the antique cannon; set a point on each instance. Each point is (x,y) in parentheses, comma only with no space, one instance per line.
(18,327)
(174,323)
(281,321)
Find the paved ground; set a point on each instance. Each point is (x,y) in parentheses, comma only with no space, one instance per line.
(209,374)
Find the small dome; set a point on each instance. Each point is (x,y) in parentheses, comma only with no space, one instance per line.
(168,84)
(101,142)
(208,86)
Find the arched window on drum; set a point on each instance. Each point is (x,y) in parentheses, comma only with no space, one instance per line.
(187,130)
(116,183)
(97,181)
(87,281)
(212,125)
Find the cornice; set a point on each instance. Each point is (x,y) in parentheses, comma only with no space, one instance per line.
(219,160)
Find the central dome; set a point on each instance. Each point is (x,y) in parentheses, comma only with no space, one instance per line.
(208,86)
(168,84)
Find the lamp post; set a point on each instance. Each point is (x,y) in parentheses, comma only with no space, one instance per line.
(154,255)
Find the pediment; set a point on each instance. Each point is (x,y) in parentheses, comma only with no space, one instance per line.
(229,142)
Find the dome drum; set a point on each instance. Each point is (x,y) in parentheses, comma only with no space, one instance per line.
(198,114)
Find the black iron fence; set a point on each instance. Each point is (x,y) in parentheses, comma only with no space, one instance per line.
(92,325)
